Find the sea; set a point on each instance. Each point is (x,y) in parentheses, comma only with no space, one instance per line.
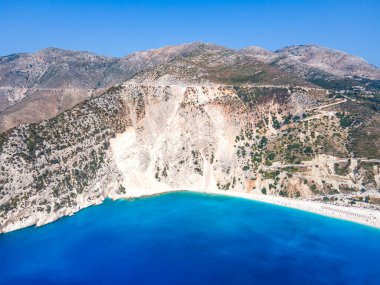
(191,238)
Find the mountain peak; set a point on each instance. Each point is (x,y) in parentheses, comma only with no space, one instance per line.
(175,50)
(258,53)
(50,51)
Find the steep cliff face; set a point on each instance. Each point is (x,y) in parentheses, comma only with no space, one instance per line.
(132,141)
(140,139)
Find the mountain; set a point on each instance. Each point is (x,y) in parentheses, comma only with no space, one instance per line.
(196,116)
(325,67)
(209,63)
(331,61)
(39,86)
(36,87)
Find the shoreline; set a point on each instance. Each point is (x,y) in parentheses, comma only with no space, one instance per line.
(366,217)
(361,216)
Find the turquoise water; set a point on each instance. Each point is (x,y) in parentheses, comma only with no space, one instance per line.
(189,238)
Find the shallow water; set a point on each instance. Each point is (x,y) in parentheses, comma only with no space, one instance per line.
(190,238)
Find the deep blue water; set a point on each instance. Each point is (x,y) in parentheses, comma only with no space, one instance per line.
(189,238)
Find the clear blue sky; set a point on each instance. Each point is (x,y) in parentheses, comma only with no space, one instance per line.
(117,27)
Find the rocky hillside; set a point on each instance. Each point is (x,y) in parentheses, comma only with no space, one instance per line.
(209,118)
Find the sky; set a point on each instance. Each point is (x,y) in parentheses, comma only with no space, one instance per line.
(117,28)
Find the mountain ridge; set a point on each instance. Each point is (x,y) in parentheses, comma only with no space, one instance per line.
(61,78)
